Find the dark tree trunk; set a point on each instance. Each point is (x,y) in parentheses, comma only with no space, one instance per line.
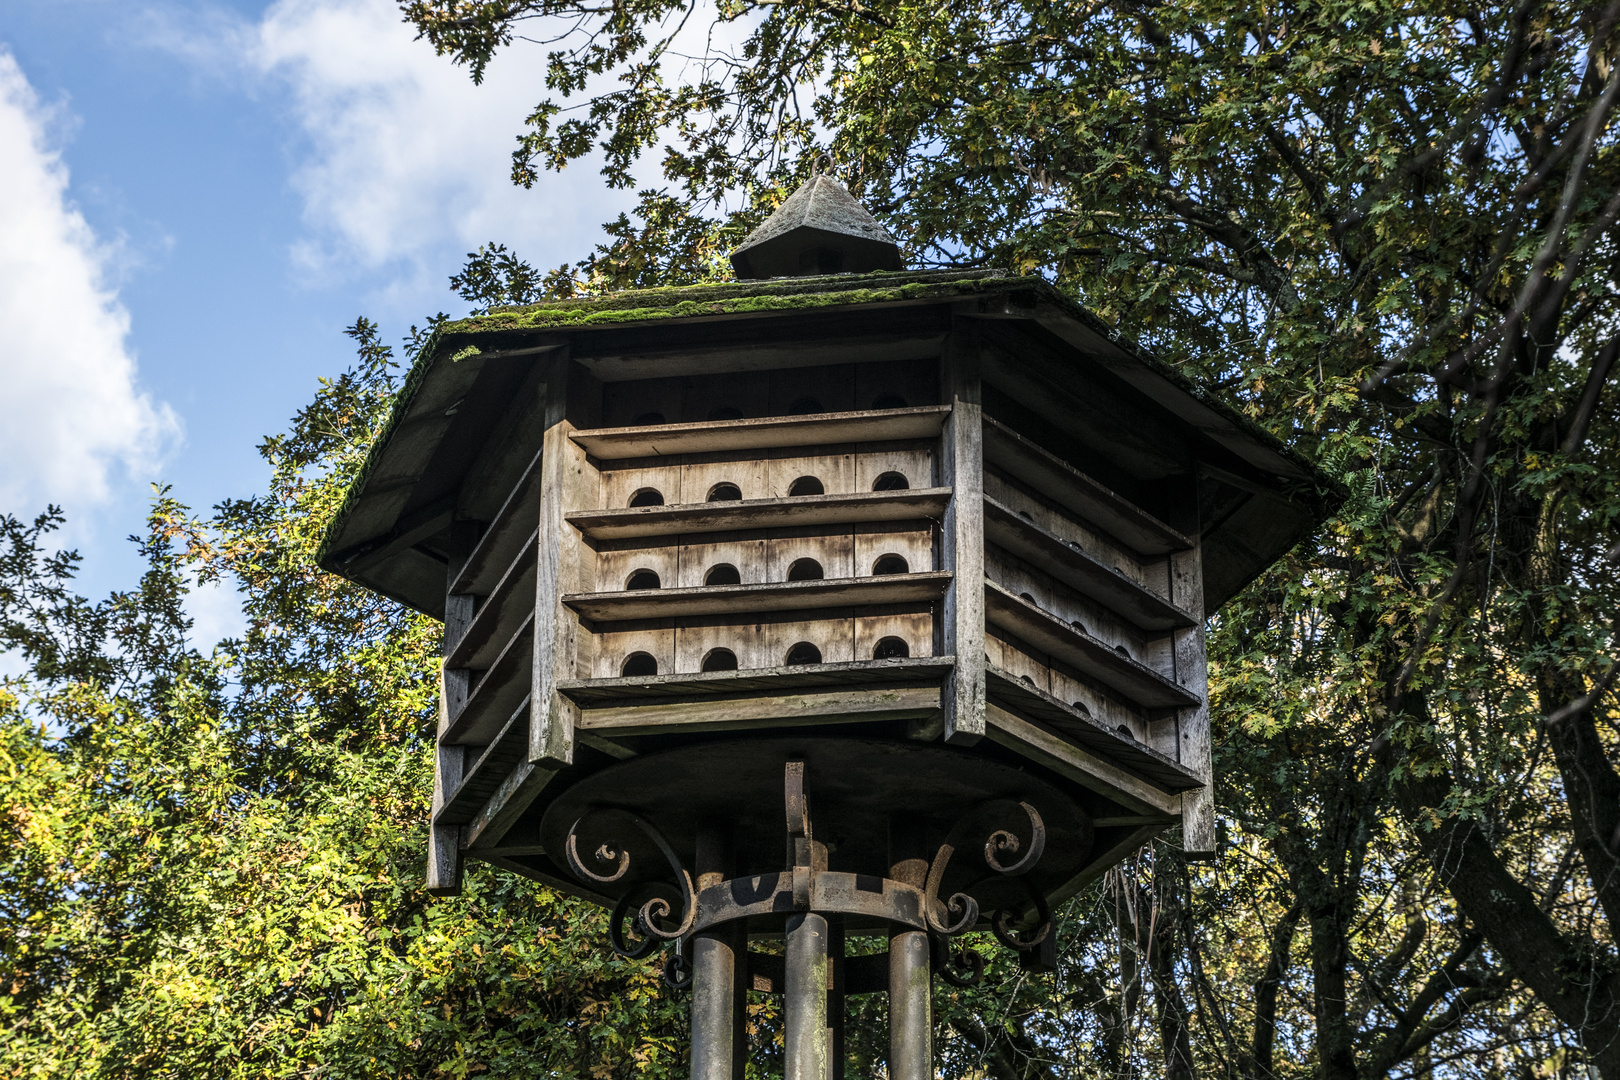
(1578,985)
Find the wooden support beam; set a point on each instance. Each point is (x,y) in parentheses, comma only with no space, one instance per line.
(1142,607)
(1087,770)
(409,531)
(1083,652)
(1192,723)
(483,777)
(764,432)
(1120,847)
(504,537)
(1036,705)
(515,795)
(1093,501)
(508,681)
(500,616)
(635,522)
(748,600)
(694,685)
(444,841)
(759,713)
(566,565)
(962,537)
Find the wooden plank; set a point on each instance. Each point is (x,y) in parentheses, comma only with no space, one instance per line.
(607,746)
(591,692)
(509,747)
(409,531)
(1081,571)
(504,537)
(1088,770)
(449,761)
(962,467)
(499,616)
(756,713)
(1046,472)
(808,510)
(566,565)
(749,600)
(765,432)
(510,446)
(1192,724)
(1067,722)
(1118,849)
(507,682)
(516,794)
(1083,652)
(766,352)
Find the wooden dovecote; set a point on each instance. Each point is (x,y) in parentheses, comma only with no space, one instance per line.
(930,508)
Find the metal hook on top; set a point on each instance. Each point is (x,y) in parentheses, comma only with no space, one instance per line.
(823,165)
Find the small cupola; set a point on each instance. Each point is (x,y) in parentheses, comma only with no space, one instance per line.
(820,229)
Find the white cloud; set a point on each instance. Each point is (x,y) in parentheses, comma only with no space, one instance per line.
(406,156)
(72,407)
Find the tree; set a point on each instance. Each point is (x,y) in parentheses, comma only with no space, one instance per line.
(1387,229)
(212,864)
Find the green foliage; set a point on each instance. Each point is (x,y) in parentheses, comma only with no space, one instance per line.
(212,864)
(1383,229)
(1386,230)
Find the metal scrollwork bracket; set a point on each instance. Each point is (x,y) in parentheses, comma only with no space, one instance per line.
(649,900)
(950,917)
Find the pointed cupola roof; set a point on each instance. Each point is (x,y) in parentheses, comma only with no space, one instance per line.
(820,229)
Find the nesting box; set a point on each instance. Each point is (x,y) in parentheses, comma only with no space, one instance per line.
(944,536)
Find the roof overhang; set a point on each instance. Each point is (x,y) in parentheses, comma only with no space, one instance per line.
(1257,497)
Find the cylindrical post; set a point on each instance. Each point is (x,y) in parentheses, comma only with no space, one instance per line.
(715,961)
(911,1021)
(835,998)
(807,1055)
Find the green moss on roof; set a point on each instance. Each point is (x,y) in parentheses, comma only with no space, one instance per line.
(739,297)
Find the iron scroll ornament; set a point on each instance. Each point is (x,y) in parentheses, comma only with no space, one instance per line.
(960,912)
(648,899)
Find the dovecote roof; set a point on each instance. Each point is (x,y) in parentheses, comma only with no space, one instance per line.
(1120,407)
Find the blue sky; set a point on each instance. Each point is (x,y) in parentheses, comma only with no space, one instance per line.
(195,199)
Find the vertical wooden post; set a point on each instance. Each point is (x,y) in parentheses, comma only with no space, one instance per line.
(962,466)
(1192,727)
(568,482)
(444,841)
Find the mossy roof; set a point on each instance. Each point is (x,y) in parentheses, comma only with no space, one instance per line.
(459,339)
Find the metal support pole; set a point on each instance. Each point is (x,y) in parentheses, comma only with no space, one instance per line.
(835,997)
(716,978)
(911,1022)
(807,1055)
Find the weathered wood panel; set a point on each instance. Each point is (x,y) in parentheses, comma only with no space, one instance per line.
(1070,761)
(1105,583)
(620,523)
(961,461)
(1082,651)
(775,596)
(565,565)
(760,713)
(759,433)
(1114,514)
